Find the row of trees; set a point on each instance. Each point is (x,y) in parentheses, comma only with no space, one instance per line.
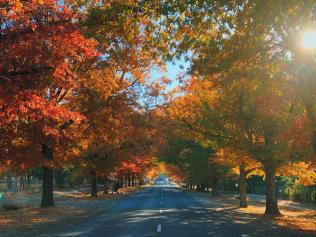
(250,97)
(75,88)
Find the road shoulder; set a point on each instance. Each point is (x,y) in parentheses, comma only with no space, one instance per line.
(33,221)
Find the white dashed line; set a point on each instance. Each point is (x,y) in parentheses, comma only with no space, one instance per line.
(159,228)
(161,203)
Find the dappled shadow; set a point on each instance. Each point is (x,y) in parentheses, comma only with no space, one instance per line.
(184,222)
(182,215)
(19,223)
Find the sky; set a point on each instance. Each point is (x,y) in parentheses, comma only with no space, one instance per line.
(173,69)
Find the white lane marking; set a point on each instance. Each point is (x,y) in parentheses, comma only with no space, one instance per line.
(159,228)
(160,210)
(161,203)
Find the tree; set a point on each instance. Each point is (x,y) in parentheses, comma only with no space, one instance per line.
(247,61)
(243,165)
(42,47)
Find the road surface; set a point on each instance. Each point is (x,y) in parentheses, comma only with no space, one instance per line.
(165,210)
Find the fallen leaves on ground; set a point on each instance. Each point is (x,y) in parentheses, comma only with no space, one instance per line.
(295,216)
(28,217)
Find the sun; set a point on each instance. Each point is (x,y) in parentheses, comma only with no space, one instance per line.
(309,40)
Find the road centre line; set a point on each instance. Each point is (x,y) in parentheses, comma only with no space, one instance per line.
(159,228)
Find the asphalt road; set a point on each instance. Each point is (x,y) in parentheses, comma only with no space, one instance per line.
(165,210)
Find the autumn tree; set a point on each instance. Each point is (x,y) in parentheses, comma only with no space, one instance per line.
(242,165)
(247,60)
(42,47)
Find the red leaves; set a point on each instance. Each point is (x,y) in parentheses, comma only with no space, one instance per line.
(135,165)
(41,47)
(42,38)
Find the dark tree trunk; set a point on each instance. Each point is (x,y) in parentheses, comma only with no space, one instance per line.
(215,186)
(94,188)
(129,181)
(48,177)
(28,179)
(198,187)
(271,196)
(22,182)
(242,187)
(141,181)
(133,180)
(126,181)
(106,185)
(203,187)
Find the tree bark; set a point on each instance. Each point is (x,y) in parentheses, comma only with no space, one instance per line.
(126,181)
(94,188)
(106,185)
(48,177)
(141,181)
(271,196)
(242,187)
(215,186)
(133,180)
(28,179)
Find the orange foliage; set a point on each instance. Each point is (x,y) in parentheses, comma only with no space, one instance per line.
(41,44)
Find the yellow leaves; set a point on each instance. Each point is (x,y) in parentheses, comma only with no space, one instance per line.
(256,171)
(19,142)
(18,6)
(236,159)
(303,171)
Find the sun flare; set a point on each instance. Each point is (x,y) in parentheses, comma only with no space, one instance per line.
(309,40)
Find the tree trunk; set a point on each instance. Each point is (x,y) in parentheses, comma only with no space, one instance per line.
(271,197)
(198,188)
(203,187)
(242,187)
(133,180)
(94,188)
(215,186)
(126,181)
(48,176)
(28,179)
(21,182)
(106,185)
(141,181)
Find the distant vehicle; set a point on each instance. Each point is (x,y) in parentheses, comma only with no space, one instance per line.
(183,184)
